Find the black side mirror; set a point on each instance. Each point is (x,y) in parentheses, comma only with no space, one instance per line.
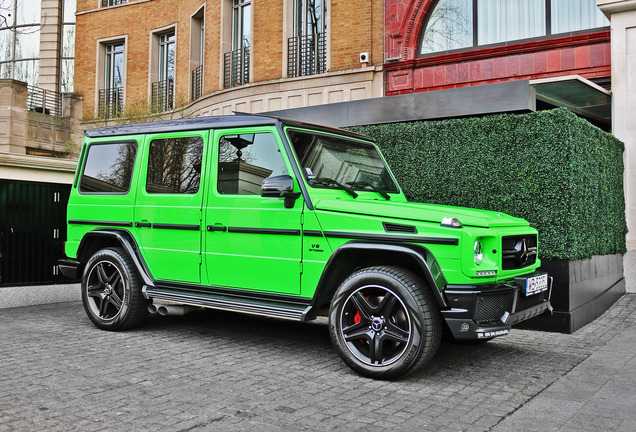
(280,187)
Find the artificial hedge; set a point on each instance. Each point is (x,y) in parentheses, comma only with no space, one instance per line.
(552,168)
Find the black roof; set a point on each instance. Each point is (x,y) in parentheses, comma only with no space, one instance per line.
(217,122)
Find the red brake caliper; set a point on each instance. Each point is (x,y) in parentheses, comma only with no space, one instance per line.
(357,318)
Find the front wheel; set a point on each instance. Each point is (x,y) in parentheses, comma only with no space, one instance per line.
(384,323)
(111,291)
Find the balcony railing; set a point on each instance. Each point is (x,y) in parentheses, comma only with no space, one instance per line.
(163,95)
(197,83)
(111,102)
(306,55)
(237,67)
(44,101)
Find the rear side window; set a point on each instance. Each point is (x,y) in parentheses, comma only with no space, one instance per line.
(108,168)
(174,165)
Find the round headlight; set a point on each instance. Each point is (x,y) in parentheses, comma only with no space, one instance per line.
(478,255)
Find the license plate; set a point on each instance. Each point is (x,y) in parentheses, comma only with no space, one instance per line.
(536,284)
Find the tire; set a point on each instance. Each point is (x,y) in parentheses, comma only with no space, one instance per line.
(384,322)
(111,291)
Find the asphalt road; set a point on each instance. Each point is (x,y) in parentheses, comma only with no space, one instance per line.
(218,371)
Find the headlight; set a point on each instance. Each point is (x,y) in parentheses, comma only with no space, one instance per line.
(478,255)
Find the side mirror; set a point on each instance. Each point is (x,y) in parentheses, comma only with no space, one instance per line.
(280,187)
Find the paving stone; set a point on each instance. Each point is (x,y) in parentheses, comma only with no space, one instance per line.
(217,371)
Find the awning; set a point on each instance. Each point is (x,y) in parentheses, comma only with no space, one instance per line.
(576,93)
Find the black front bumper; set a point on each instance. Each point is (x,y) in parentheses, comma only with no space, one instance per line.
(484,312)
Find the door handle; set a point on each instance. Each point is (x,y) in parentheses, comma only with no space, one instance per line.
(216,228)
(143,225)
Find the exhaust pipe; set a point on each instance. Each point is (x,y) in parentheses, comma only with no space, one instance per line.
(170,309)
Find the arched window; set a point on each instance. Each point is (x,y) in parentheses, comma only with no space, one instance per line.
(463,24)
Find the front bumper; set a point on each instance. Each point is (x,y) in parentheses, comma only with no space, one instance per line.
(484,312)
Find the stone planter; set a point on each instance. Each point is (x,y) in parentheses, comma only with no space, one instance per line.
(582,291)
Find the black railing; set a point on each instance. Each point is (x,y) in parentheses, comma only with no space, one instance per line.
(106,3)
(111,102)
(44,101)
(162,95)
(197,83)
(306,55)
(237,67)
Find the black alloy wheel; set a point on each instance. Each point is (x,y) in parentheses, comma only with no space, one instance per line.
(111,291)
(384,323)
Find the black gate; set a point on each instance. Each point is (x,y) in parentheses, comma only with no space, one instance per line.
(32,232)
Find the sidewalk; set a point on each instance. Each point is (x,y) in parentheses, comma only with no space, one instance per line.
(597,395)
(219,371)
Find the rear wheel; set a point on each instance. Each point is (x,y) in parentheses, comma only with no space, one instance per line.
(384,322)
(111,291)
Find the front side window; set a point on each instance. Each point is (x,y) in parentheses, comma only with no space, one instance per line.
(461,24)
(307,49)
(109,168)
(245,160)
(333,162)
(174,165)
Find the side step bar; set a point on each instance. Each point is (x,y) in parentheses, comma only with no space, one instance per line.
(229,303)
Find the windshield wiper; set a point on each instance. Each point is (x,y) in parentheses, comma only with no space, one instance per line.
(375,189)
(331,182)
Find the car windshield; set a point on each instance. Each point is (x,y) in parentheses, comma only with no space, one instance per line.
(331,161)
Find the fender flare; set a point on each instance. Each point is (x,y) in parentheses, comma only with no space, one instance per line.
(337,269)
(126,240)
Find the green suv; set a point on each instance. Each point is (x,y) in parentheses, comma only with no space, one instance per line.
(292,220)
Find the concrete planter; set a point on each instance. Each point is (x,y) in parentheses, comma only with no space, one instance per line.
(582,291)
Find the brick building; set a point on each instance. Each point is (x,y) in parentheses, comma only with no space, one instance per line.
(228,55)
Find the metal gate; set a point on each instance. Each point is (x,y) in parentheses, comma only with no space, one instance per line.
(32,232)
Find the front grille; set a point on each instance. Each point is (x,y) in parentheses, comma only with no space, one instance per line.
(519,251)
(491,307)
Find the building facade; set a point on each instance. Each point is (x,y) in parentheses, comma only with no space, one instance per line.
(441,44)
(39,134)
(223,56)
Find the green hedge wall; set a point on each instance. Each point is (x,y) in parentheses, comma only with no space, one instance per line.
(552,168)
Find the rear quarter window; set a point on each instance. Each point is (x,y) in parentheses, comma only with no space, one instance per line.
(108,168)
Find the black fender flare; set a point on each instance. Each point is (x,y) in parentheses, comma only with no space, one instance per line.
(125,240)
(350,256)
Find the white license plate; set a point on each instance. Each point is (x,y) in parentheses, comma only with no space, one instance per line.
(536,284)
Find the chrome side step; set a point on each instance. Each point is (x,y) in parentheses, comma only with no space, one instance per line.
(230,303)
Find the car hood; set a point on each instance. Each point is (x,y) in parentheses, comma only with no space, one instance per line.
(421,212)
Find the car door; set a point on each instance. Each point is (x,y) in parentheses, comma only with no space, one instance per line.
(251,242)
(167,218)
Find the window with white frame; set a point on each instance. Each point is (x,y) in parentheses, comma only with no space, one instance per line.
(197,48)
(111,95)
(163,88)
(307,49)
(237,61)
